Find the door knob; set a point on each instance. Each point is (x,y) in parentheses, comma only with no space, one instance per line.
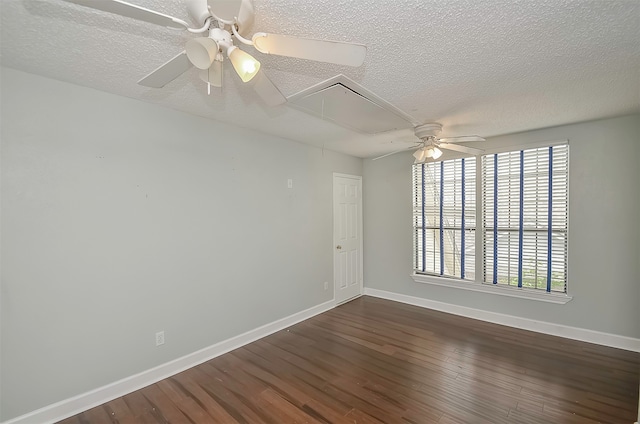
(338,247)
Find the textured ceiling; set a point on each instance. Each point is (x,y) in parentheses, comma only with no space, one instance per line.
(484,67)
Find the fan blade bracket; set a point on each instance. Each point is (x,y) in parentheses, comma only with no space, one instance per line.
(258,42)
(337,52)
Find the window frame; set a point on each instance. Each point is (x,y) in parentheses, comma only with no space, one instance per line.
(487,287)
(452,206)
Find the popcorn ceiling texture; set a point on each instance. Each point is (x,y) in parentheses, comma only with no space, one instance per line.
(483,67)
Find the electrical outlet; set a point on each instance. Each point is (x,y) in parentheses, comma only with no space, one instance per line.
(326,285)
(159,338)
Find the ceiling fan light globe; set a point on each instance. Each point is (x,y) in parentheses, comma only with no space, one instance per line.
(420,155)
(249,67)
(201,52)
(246,66)
(436,153)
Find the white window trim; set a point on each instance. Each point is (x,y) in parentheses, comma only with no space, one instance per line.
(522,293)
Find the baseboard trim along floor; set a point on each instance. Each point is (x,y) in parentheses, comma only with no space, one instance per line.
(574,333)
(72,406)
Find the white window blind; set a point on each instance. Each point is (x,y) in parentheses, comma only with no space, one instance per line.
(525,201)
(444,218)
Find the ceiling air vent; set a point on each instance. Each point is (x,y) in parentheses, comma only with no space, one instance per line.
(350,105)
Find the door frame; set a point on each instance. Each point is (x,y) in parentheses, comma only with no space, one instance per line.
(333,236)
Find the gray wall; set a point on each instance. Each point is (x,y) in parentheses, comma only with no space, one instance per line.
(121,218)
(604,234)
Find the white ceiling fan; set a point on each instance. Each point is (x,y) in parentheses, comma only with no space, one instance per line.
(224,22)
(429,145)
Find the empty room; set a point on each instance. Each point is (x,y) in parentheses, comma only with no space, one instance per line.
(279,211)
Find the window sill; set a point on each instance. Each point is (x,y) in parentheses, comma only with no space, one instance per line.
(557,298)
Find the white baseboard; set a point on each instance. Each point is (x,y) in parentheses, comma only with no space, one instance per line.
(597,337)
(72,406)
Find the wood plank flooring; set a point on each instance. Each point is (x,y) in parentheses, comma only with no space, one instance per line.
(377,361)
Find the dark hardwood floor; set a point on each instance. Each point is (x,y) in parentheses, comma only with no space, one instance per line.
(372,361)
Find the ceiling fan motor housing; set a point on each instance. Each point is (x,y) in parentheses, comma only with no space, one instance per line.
(428,130)
(221,37)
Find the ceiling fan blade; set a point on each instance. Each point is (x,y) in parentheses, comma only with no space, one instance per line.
(462,139)
(167,72)
(213,75)
(337,52)
(225,9)
(393,153)
(267,91)
(132,11)
(459,148)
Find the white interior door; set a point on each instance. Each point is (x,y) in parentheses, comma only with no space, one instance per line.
(347,236)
